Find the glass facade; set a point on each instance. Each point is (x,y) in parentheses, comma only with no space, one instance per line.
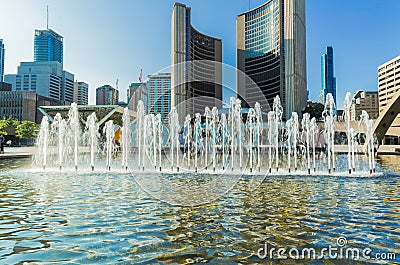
(81,93)
(271,52)
(107,95)
(47,79)
(263,51)
(159,98)
(48,46)
(327,73)
(202,50)
(192,77)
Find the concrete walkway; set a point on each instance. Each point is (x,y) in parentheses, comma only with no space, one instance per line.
(389,150)
(18,152)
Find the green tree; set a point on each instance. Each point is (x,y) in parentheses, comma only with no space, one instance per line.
(27,129)
(5,123)
(315,110)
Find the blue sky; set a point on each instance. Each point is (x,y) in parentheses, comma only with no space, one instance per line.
(105,40)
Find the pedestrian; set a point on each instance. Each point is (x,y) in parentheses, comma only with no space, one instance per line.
(2,144)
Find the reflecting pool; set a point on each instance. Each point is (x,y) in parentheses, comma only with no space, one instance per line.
(106,218)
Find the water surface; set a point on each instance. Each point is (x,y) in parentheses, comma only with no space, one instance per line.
(99,218)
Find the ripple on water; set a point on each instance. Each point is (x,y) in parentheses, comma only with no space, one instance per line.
(107,218)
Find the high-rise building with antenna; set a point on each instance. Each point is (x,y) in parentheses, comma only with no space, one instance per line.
(48,46)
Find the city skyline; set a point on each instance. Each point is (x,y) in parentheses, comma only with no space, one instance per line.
(129,41)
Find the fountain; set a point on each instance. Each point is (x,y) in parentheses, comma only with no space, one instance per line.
(197,139)
(369,139)
(271,116)
(152,124)
(188,138)
(59,128)
(214,135)
(108,130)
(73,123)
(158,126)
(211,139)
(349,132)
(289,133)
(314,134)
(329,119)
(295,126)
(277,119)
(232,120)
(140,141)
(251,116)
(207,115)
(43,141)
(258,133)
(223,130)
(126,138)
(92,134)
(238,118)
(173,120)
(305,123)
(292,128)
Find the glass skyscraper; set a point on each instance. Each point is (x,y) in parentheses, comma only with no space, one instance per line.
(159,94)
(107,95)
(48,46)
(271,52)
(196,74)
(327,73)
(47,79)
(2,53)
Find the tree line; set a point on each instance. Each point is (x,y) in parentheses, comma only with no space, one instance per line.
(24,129)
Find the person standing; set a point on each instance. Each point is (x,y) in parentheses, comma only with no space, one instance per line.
(2,144)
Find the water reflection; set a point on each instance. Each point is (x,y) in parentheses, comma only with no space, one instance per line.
(389,162)
(106,218)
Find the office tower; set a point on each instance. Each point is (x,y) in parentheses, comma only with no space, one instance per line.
(2,54)
(159,94)
(271,51)
(81,93)
(106,95)
(23,105)
(48,46)
(47,79)
(195,83)
(327,73)
(388,89)
(5,86)
(136,92)
(388,82)
(364,100)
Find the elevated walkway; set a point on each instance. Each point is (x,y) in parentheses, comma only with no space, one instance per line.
(103,112)
(386,118)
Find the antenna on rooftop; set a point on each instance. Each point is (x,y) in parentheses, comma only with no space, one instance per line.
(249,4)
(47,17)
